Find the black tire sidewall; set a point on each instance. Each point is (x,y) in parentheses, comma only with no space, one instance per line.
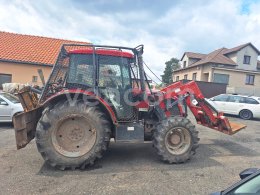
(51,119)
(160,136)
(249,112)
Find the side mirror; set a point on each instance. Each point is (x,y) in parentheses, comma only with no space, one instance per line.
(3,103)
(247,172)
(212,99)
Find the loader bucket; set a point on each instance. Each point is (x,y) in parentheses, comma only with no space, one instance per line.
(222,124)
(235,127)
(230,128)
(208,116)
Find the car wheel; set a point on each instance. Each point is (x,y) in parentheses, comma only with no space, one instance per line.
(246,114)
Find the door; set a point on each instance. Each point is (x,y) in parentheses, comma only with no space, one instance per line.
(220,102)
(234,104)
(115,85)
(5,111)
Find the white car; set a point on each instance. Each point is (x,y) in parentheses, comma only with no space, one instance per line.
(9,107)
(247,107)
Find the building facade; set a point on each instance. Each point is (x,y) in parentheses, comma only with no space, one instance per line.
(22,55)
(237,67)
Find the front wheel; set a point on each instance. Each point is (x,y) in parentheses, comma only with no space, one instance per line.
(176,140)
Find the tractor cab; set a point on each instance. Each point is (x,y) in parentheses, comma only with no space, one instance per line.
(112,73)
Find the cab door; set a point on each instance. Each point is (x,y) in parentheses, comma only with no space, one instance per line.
(114,83)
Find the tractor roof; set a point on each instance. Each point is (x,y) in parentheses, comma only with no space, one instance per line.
(108,52)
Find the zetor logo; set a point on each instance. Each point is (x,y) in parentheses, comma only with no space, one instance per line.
(114,97)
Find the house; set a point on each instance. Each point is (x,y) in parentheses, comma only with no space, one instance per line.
(237,67)
(22,55)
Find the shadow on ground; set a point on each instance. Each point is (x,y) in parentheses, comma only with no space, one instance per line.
(143,157)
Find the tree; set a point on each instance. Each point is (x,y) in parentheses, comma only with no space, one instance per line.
(171,65)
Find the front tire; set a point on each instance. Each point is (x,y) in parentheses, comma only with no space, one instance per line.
(175,140)
(72,136)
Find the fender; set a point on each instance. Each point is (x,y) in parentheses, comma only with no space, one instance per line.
(83,92)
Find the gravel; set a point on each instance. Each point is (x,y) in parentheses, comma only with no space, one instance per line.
(133,168)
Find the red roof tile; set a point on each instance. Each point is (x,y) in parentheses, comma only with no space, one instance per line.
(30,49)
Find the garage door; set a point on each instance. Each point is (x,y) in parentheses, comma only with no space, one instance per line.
(5,78)
(221,78)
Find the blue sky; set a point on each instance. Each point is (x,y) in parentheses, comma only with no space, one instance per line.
(167,28)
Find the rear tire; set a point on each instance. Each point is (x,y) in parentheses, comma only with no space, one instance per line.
(176,140)
(246,114)
(72,136)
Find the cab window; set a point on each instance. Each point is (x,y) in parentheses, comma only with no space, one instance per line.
(81,69)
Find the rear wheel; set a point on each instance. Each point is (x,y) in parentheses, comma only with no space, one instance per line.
(246,114)
(72,136)
(176,140)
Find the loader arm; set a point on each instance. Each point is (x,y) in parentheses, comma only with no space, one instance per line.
(204,113)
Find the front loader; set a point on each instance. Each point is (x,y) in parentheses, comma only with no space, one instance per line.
(96,93)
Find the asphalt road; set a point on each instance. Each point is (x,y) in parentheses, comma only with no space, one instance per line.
(133,168)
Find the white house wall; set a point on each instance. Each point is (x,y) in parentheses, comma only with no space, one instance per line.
(249,51)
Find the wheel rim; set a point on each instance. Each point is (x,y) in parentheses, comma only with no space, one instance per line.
(245,114)
(74,136)
(178,140)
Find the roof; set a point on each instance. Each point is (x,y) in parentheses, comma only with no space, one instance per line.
(30,49)
(193,55)
(103,52)
(218,56)
(215,57)
(236,49)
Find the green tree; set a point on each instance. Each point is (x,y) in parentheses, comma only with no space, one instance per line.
(171,65)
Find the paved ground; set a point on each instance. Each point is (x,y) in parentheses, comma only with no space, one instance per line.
(133,169)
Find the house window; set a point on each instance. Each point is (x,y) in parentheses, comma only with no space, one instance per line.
(34,79)
(185,76)
(5,78)
(247,59)
(221,78)
(184,64)
(250,79)
(177,78)
(194,76)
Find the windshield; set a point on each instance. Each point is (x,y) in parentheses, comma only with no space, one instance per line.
(11,98)
(114,72)
(250,187)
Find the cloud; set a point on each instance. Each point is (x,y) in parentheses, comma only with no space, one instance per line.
(166,28)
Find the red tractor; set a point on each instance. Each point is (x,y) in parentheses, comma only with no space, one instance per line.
(96,93)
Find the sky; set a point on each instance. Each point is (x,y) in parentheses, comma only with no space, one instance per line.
(167,28)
